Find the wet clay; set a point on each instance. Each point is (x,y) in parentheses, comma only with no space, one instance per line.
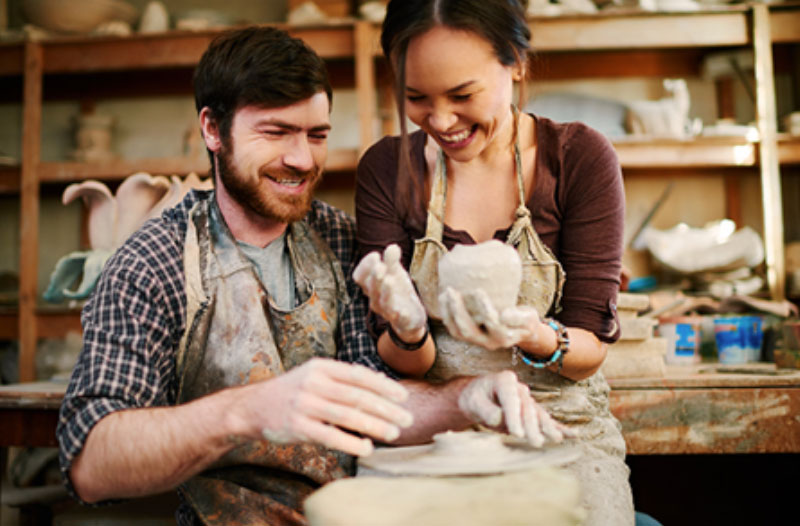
(466,453)
(492,266)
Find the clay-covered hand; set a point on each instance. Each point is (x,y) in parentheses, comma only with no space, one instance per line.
(390,291)
(499,398)
(472,318)
(327,402)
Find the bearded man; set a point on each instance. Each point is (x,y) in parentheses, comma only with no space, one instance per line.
(209,361)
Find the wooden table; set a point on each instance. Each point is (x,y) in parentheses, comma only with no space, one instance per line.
(29,413)
(698,409)
(710,409)
(28,416)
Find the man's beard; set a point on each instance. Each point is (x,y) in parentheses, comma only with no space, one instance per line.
(256,196)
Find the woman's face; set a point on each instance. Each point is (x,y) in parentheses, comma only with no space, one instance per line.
(458,92)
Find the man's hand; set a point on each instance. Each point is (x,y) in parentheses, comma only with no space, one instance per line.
(390,291)
(321,400)
(499,398)
(473,318)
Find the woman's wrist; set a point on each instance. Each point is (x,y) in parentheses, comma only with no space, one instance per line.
(541,343)
(409,340)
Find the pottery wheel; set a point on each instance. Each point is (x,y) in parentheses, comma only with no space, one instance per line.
(468,453)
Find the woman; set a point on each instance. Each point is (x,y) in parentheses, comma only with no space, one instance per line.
(479,170)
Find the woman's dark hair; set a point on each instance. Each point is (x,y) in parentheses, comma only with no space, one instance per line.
(261,66)
(501,22)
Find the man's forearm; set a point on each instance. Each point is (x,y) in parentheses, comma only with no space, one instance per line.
(435,409)
(145,451)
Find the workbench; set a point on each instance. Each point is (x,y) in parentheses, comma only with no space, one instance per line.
(753,408)
(710,409)
(716,436)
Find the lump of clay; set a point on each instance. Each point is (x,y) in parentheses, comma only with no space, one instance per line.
(492,266)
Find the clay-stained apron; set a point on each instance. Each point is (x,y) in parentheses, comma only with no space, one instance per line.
(582,405)
(235,335)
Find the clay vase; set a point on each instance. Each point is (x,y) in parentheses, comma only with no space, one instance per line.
(93,138)
(492,266)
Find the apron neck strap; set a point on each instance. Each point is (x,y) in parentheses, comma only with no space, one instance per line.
(438,199)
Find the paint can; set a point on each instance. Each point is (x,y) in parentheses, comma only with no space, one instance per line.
(739,339)
(683,335)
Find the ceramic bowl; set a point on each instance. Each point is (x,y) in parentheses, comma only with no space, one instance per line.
(78,16)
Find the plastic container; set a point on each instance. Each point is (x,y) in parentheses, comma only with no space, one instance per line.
(739,339)
(683,335)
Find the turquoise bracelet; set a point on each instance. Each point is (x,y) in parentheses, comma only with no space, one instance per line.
(557,356)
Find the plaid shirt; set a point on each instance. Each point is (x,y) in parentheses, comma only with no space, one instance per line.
(134,321)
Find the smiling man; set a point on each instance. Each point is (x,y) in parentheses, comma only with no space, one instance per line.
(210,343)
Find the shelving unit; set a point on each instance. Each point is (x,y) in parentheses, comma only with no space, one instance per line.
(607,45)
(173,55)
(673,44)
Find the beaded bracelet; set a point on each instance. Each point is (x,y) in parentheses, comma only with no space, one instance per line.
(405,345)
(557,356)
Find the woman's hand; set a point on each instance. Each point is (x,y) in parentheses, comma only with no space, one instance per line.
(391,293)
(472,318)
(500,400)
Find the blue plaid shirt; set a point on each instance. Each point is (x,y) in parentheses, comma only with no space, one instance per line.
(134,321)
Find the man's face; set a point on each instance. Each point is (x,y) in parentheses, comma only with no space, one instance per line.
(273,159)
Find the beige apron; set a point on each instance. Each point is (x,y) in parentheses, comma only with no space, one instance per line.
(236,335)
(582,405)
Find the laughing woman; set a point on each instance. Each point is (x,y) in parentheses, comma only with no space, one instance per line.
(477,170)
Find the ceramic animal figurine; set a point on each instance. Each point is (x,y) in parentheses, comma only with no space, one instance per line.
(667,117)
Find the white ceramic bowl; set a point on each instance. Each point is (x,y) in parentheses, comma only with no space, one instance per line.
(76,16)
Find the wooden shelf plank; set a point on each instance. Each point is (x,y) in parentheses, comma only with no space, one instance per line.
(69,171)
(9,179)
(12,58)
(698,153)
(169,50)
(51,322)
(637,30)
(788,149)
(655,154)
(64,172)
(785,26)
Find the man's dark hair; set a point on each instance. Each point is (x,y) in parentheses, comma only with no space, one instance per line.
(261,66)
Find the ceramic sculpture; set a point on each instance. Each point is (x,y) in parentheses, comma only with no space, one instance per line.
(111,220)
(491,266)
(79,16)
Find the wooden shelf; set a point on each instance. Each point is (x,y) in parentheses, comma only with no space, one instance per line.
(725,26)
(789,149)
(67,171)
(701,152)
(172,49)
(784,25)
(9,179)
(52,322)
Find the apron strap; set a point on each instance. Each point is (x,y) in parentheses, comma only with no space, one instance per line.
(436,205)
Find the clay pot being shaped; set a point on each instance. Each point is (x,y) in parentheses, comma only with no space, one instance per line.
(492,266)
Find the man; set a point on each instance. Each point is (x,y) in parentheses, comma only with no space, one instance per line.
(208,343)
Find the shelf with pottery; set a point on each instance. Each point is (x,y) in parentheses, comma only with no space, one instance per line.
(176,48)
(638,29)
(63,66)
(68,171)
(700,152)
